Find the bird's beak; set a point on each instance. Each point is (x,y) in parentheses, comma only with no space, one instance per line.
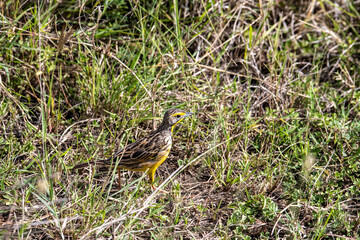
(188,114)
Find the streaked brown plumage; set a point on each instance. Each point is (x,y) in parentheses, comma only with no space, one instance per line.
(145,154)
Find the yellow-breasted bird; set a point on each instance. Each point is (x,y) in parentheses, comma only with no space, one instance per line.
(145,154)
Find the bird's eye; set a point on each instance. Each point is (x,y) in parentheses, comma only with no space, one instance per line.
(178,116)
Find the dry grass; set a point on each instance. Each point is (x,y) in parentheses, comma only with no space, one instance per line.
(272,153)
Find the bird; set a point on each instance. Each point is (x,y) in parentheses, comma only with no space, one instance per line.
(145,154)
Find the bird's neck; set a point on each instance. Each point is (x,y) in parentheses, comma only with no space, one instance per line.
(163,126)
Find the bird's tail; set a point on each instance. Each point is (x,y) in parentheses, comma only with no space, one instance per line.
(83,165)
(98,163)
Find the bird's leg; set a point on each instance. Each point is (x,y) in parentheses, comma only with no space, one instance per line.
(151,174)
(119,176)
(159,189)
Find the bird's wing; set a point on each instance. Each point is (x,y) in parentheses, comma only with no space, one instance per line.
(137,156)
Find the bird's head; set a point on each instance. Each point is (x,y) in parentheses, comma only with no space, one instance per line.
(173,117)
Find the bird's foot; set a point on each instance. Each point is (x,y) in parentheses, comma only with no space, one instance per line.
(160,190)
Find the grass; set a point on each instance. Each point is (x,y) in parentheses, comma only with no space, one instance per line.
(272,153)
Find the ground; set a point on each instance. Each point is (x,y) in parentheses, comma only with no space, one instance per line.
(272,152)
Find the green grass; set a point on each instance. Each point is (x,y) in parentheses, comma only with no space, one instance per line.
(272,153)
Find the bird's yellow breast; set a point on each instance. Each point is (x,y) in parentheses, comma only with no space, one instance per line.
(152,164)
(162,157)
